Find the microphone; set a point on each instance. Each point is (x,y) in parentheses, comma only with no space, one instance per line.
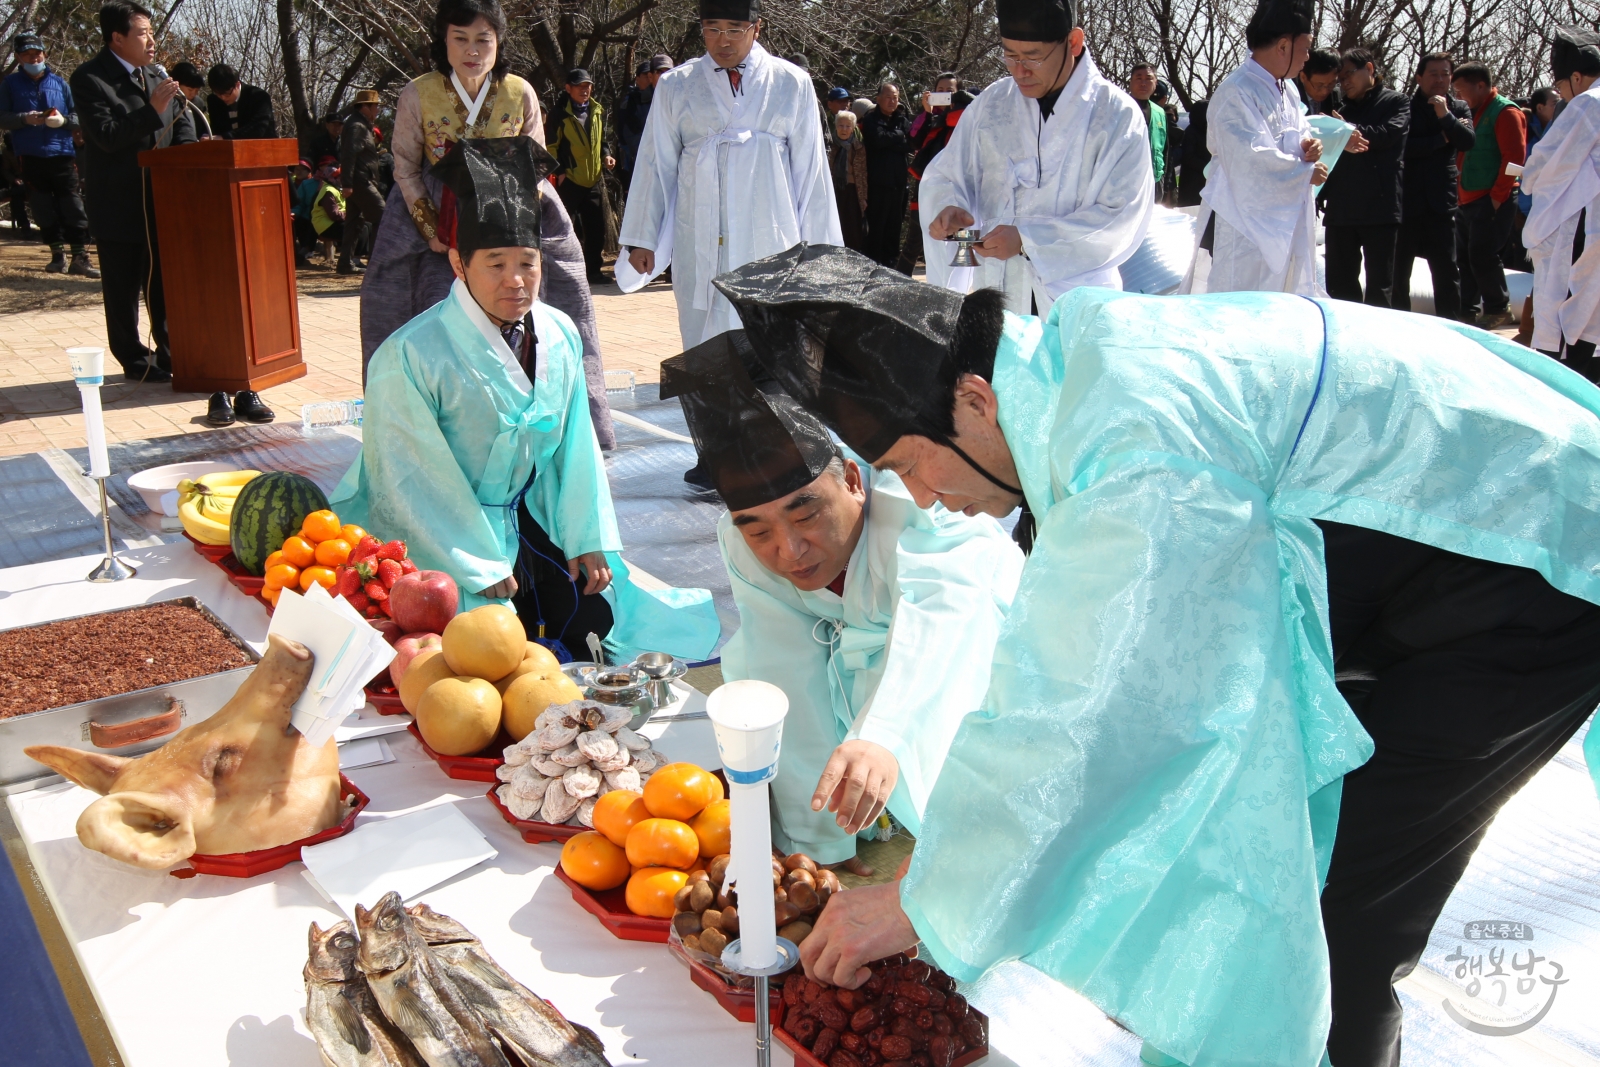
(161,72)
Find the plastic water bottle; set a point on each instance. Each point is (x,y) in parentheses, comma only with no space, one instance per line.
(326,415)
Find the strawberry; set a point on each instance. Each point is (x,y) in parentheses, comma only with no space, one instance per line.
(395,550)
(376,590)
(407,567)
(383,606)
(348,583)
(358,600)
(366,548)
(389,572)
(372,611)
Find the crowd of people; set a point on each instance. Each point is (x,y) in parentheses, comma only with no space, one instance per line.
(1302,588)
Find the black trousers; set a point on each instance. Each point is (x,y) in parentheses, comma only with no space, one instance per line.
(1346,246)
(53,196)
(886,214)
(588,221)
(363,211)
(1469,676)
(1432,236)
(127,270)
(911,250)
(1482,232)
(17,201)
(546,603)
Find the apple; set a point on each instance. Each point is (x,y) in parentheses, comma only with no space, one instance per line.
(424,602)
(409,648)
(391,630)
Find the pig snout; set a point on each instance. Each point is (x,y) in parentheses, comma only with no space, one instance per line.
(148,830)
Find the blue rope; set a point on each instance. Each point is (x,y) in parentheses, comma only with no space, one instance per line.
(554,644)
(1322,369)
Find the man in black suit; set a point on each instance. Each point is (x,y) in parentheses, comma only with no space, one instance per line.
(238,112)
(1441,126)
(359,170)
(126,105)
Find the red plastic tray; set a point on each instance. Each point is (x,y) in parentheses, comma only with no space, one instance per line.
(242,580)
(739,1003)
(386,699)
(210,552)
(532,830)
(611,908)
(478,768)
(250,864)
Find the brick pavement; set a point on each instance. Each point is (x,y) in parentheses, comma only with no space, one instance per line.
(40,405)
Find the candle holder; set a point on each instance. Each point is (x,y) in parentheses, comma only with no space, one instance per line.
(88,371)
(964,240)
(788,956)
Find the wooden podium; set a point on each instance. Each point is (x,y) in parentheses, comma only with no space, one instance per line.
(227,262)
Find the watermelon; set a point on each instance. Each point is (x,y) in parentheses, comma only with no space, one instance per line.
(269,509)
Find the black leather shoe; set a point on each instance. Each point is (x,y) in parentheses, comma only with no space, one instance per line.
(219,412)
(248,406)
(146,373)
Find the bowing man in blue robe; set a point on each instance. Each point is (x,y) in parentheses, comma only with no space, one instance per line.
(477,447)
(876,618)
(1312,592)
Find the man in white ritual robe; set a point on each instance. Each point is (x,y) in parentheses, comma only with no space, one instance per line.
(1563,178)
(731,168)
(1264,165)
(1050,165)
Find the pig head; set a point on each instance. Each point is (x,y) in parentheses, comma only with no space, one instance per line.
(242,780)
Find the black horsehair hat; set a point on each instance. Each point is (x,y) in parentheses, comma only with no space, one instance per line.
(496,182)
(1280,18)
(1574,50)
(1035,20)
(866,349)
(732,10)
(757,447)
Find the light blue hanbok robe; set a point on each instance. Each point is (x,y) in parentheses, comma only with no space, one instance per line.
(898,660)
(451,429)
(1145,806)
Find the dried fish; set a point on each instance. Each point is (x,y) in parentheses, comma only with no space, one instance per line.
(340,1010)
(414,992)
(524,1023)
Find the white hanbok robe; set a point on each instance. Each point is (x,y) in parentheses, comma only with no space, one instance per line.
(1259,189)
(1563,177)
(1077,187)
(722,180)
(925,593)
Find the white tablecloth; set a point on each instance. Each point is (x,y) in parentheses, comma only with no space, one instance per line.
(207,970)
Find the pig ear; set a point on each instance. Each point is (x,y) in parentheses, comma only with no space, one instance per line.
(141,829)
(92,770)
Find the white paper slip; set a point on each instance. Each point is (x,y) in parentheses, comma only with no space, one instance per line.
(348,651)
(366,721)
(408,855)
(368,752)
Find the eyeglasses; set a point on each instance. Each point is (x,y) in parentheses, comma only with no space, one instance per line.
(713,33)
(1014,62)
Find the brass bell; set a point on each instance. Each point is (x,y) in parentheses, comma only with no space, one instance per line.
(964,240)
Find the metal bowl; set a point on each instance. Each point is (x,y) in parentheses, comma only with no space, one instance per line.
(623,687)
(662,670)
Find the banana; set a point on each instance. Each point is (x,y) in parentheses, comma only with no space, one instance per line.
(226,479)
(203,528)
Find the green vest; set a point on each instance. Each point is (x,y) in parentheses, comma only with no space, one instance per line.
(582,153)
(320,219)
(1482,166)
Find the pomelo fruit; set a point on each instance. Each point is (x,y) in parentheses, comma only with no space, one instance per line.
(459,716)
(531,693)
(425,668)
(486,642)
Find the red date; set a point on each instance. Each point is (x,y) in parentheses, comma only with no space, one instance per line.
(875,1036)
(896,1047)
(865,1020)
(943,1025)
(844,1059)
(902,1006)
(942,1051)
(956,1006)
(827,1042)
(918,971)
(852,1042)
(849,999)
(832,1016)
(805,1031)
(920,995)
(924,1020)
(974,1032)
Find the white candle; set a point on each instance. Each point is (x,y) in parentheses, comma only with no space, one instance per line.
(88,369)
(748,718)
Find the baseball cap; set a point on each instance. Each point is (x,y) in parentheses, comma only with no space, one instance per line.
(642,68)
(838,93)
(27,41)
(579,76)
(662,62)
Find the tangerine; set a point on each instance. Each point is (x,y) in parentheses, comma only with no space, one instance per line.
(273,560)
(320,526)
(334,552)
(662,843)
(651,889)
(270,595)
(594,862)
(322,576)
(282,575)
(299,551)
(680,791)
(713,827)
(616,812)
(352,533)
